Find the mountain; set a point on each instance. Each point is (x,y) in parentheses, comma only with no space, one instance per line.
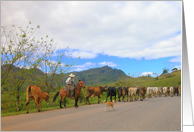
(99,76)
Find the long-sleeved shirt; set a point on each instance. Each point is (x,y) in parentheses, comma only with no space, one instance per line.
(70,81)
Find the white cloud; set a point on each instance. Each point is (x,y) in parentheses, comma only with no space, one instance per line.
(146,73)
(89,65)
(85,66)
(82,54)
(176,59)
(109,63)
(115,28)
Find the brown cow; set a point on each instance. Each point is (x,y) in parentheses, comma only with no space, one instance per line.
(142,92)
(122,91)
(179,90)
(37,95)
(168,91)
(95,91)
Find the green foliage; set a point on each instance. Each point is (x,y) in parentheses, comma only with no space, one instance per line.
(165,71)
(174,69)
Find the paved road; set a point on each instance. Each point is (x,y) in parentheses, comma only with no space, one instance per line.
(155,114)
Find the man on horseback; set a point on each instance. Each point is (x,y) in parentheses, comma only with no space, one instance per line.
(70,85)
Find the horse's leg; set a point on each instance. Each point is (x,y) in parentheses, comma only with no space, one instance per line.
(62,101)
(76,100)
(98,99)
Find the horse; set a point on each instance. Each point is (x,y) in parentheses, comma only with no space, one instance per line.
(64,93)
(37,95)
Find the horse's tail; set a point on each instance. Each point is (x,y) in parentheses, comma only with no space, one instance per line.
(55,97)
(28,90)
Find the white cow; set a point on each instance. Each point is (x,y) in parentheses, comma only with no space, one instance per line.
(155,91)
(149,92)
(165,91)
(132,92)
(171,91)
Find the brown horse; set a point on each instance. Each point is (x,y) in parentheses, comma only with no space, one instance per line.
(63,94)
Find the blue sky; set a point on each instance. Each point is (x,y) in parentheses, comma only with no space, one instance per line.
(139,38)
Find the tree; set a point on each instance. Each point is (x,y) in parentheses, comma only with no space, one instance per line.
(53,69)
(17,49)
(165,70)
(174,69)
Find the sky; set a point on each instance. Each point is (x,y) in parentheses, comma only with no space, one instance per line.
(137,37)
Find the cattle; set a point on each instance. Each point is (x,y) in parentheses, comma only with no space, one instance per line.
(145,91)
(155,91)
(176,91)
(132,92)
(149,92)
(160,91)
(95,91)
(168,91)
(37,95)
(111,91)
(137,92)
(122,91)
(171,91)
(165,91)
(142,92)
(179,90)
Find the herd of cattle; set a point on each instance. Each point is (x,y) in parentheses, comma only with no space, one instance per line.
(132,92)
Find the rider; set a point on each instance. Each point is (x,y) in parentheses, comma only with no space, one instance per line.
(70,85)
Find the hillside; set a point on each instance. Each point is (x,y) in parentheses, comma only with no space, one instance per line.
(99,76)
(96,76)
(170,79)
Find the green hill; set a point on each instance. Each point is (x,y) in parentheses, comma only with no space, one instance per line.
(99,76)
(171,79)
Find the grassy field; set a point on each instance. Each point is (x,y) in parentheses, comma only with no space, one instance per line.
(8,105)
(8,100)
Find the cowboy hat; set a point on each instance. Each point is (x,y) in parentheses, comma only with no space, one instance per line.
(71,75)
